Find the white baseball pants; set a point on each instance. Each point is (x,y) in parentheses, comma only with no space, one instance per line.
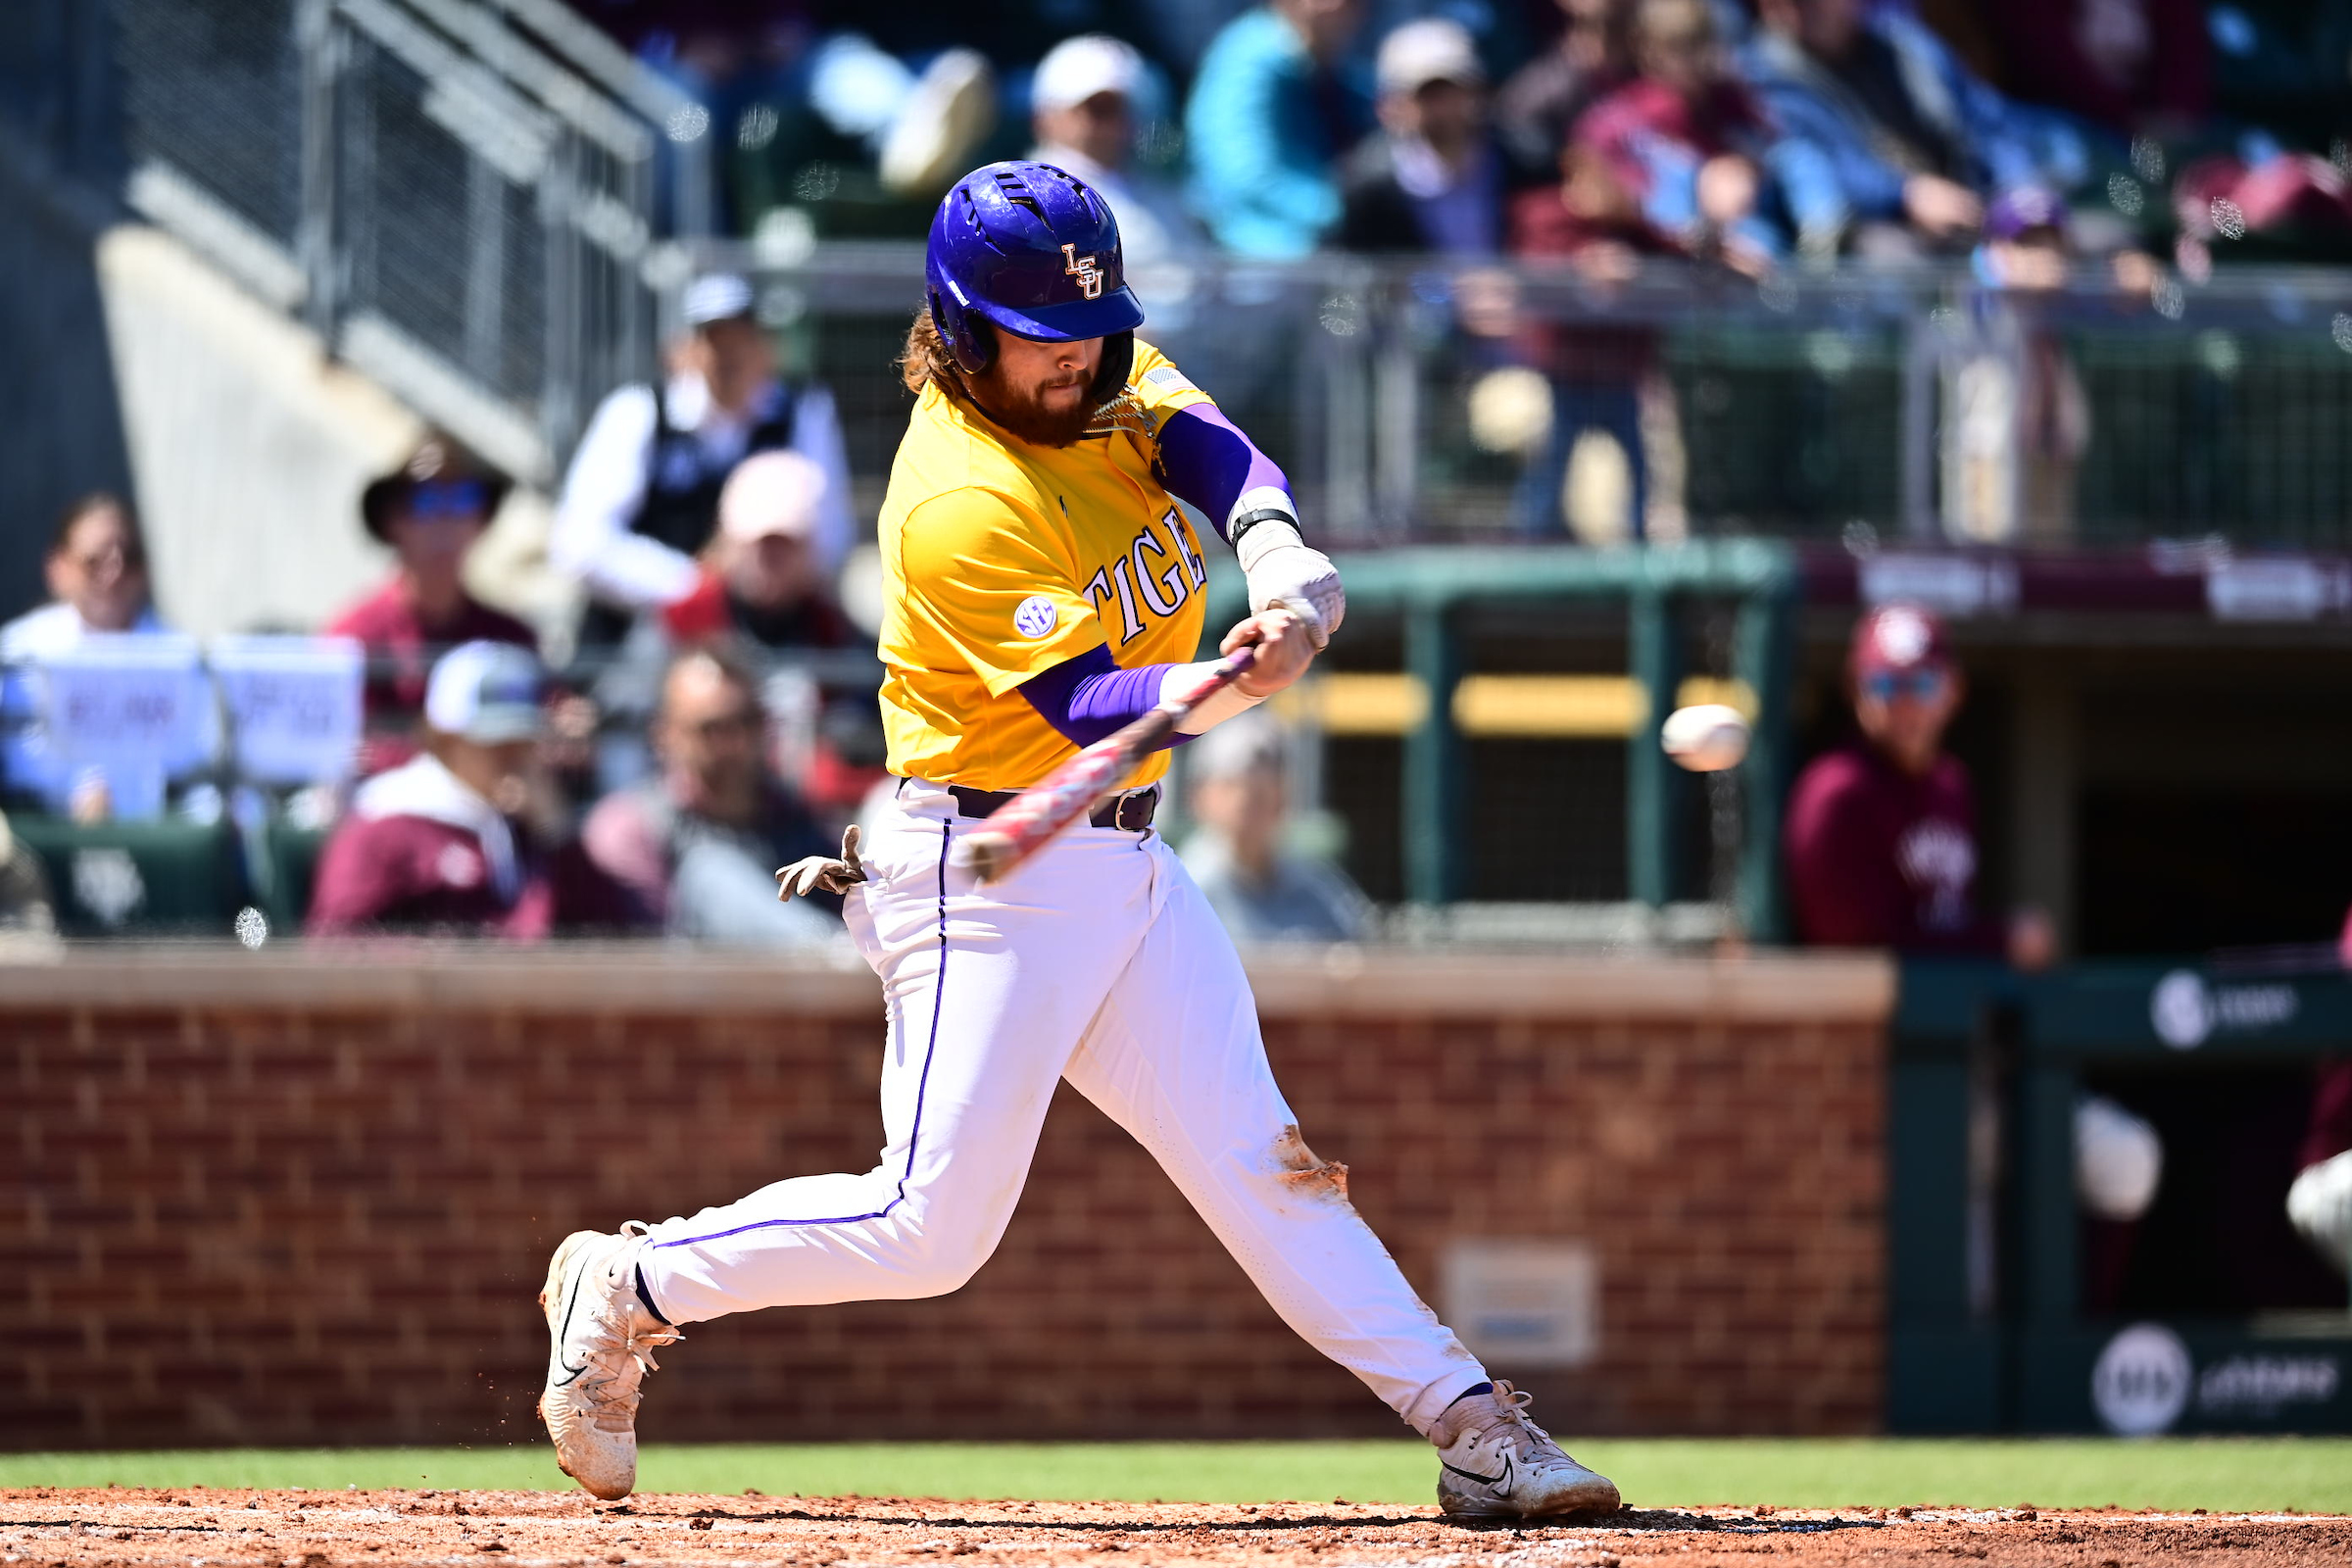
(1099,961)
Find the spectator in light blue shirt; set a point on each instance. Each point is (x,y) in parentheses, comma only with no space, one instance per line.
(1889,145)
(1261,888)
(1267,120)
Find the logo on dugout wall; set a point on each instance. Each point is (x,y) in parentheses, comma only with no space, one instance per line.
(2141,1382)
(2185,1011)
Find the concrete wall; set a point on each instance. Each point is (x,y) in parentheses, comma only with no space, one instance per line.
(309,1199)
(250,445)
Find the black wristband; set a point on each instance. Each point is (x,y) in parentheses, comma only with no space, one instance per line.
(1251,519)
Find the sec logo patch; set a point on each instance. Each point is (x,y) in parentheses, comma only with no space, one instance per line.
(1036,616)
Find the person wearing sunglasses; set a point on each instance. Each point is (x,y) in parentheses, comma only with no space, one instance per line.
(1882,852)
(1880,836)
(431,511)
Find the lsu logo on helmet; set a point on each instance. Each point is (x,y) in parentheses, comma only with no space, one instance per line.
(1084,270)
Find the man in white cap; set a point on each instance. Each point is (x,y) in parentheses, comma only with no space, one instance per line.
(642,497)
(1431,179)
(441,842)
(760,578)
(1084,104)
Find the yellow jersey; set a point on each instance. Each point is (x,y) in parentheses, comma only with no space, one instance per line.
(1002,559)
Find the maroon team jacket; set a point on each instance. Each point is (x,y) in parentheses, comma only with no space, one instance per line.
(1878,858)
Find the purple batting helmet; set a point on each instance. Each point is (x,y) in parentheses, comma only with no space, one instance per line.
(1029,248)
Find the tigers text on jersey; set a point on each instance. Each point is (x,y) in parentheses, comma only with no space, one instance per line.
(1003,558)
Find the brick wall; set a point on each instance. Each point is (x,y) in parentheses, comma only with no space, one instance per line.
(254,1204)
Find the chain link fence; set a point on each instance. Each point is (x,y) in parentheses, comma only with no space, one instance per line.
(459,196)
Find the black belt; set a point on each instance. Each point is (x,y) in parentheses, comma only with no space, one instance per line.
(1131,812)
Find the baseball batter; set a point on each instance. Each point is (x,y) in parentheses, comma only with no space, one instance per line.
(1044,590)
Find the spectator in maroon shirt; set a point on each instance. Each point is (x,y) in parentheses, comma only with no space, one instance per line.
(1882,849)
(763,592)
(1882,834)
(1687,140)
(432,510)
(446,842)
(760,578)
(1596,369)
(2130,65)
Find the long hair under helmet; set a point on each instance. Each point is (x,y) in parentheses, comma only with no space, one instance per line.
(1033,250)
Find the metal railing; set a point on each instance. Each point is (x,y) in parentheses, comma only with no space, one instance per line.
(459,195)
(1416,401)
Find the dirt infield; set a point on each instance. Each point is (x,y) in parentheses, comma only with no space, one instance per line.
(200,1528)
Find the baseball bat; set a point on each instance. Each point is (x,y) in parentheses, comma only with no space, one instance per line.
(1028,822)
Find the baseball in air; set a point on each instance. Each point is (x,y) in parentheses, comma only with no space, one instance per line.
(1705,738)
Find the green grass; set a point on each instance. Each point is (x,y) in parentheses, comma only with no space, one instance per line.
(2227,1475)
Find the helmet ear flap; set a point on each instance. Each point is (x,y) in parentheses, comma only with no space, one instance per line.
(967,335)
(1118,362)
(976,344)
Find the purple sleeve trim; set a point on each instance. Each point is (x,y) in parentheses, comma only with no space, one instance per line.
(1210,462)
(1090,697)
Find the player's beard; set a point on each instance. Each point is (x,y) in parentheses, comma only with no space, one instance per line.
(1023,411)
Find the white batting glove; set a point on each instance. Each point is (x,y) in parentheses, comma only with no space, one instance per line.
(1284,570)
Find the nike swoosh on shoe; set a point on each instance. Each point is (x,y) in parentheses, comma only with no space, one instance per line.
(570,1372)
(1501,1483)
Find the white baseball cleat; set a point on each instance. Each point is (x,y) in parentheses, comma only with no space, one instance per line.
(602,1340)
(1494,1464)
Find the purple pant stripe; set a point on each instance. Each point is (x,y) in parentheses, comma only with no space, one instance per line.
(915,1138)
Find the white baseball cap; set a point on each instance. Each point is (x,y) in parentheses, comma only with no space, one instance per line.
(715,297)
(1430,49)
(772,494)
(1077,69)
(485,692)
(1245,743)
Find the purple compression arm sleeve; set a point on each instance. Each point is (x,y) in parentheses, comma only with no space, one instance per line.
(1090,697)
(1210,462)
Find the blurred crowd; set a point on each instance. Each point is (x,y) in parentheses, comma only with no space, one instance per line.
(2116,146)
(712,718)
(1750,132)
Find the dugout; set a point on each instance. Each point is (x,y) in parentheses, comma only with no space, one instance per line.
(2007,1311)
(2142,729)
(2148,731)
